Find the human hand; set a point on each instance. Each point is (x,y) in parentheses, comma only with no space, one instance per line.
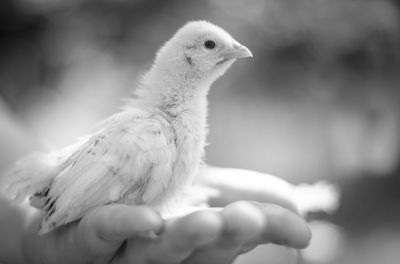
(218,237)
(122,234)
(137,234)
(221,186)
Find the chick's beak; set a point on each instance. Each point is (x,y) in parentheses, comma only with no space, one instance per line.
(235,52)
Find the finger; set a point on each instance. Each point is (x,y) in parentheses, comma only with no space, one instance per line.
(104,229)
(242,222)
(183,235)
(284,227)
(236,184)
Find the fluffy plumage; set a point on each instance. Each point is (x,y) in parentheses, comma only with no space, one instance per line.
(146,154)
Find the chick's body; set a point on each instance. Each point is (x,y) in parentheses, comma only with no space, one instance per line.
(146,154)
(136,157)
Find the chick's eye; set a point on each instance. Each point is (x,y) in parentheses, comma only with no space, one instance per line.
(209,44)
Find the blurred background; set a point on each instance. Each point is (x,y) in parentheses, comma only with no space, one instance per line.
(320,100)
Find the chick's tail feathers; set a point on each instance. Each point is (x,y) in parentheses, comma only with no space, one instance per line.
(31,175)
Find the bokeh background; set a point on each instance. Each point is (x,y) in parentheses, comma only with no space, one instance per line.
(320,100)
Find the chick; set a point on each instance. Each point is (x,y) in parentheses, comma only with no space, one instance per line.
(147,153)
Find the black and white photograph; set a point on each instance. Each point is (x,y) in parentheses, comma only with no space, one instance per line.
(200,132)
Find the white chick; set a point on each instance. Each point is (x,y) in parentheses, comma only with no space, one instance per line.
(146,154)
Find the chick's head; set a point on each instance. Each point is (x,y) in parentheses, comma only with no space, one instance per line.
(201,51)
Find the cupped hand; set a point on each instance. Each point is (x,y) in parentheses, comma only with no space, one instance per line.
(137,234)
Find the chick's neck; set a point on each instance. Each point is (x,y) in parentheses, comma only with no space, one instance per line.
(176,92)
